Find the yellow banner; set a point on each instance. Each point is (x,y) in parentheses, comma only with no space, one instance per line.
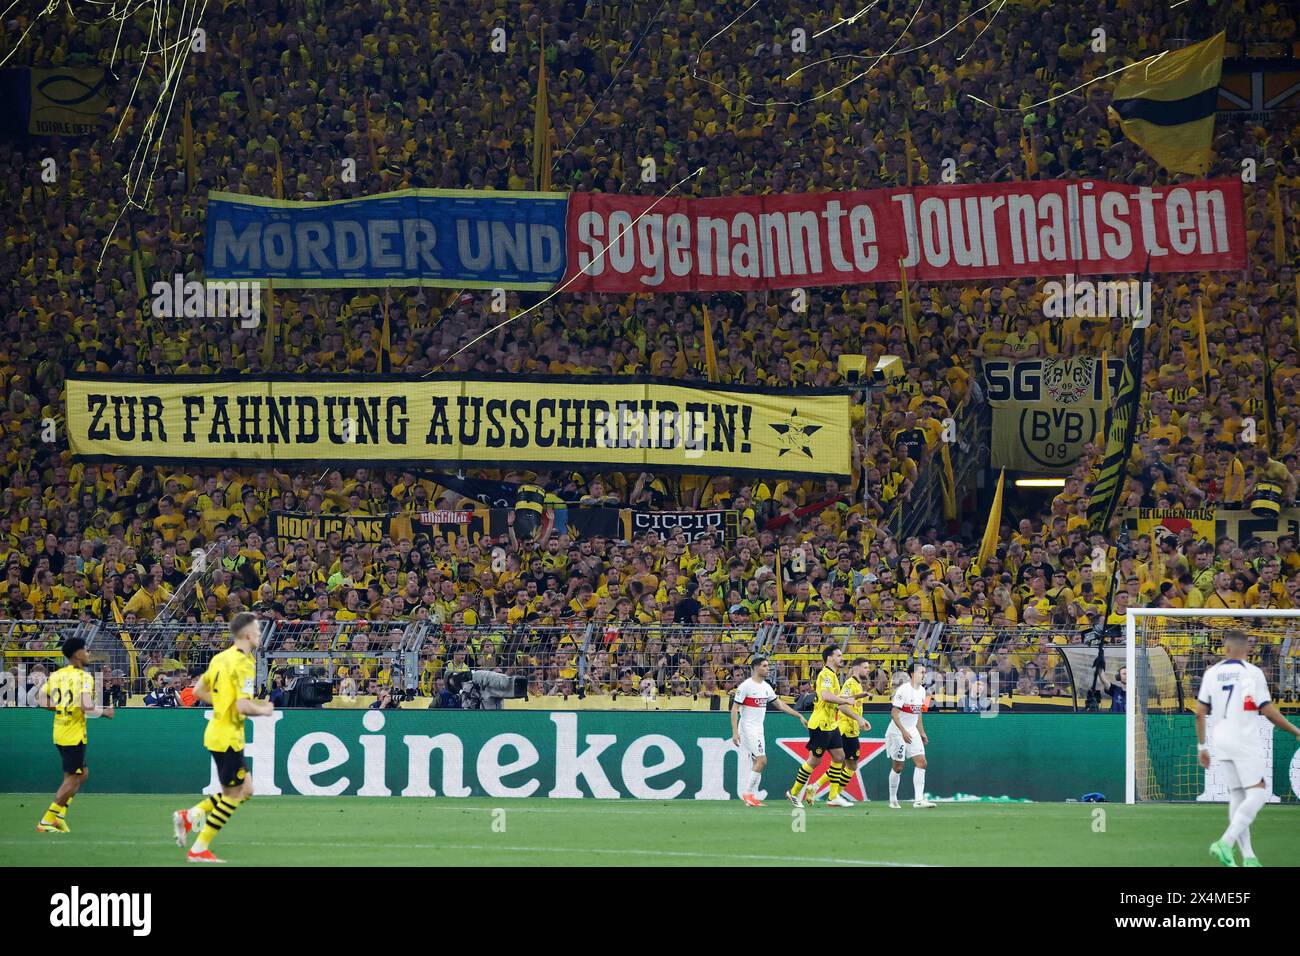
(1171,522)
(534,422)
(67,101)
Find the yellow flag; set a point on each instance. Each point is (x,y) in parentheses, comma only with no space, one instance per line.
(542,127)
(947,483)
(1205,350)
(910,149)
(279,176)
(710,351)
(137,265)
(1029,154)
(188,142)
(268,343)
(1279,229)
(780,590)
(989,543)
(909,324)
(384,361)
(1166,105)
(1297,309)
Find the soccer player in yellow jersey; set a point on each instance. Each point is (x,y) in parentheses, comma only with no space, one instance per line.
(70,693)
(824,725)
(227,687)
(852,725)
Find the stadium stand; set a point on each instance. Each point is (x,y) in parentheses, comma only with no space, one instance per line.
(873,564)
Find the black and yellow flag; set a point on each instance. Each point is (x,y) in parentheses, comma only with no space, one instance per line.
(1270,406)
(1166,105)
(1121,424)
(909,321)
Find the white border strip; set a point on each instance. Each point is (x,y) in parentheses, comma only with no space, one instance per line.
(1212,612)
(1130,711)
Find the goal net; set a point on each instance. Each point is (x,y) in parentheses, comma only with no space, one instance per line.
(1167,650)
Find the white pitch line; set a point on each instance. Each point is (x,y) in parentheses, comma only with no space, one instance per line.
(669,854)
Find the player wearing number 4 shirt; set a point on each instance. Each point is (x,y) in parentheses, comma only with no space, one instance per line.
(70,693)
(1236,692)
(906,737)
(748,709)
(824,728)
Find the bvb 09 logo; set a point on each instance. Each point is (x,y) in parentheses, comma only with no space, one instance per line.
(1053,435)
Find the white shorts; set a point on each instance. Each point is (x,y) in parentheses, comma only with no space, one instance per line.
(752,744)
(1242,772)
(896,748)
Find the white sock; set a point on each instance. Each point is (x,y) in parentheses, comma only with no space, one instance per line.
(1243,841)
(1235,795)
(754,778)
(1251,803)
(894,778)
(918,782)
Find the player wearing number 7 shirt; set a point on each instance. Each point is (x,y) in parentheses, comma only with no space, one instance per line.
(1236,692)
(748,708)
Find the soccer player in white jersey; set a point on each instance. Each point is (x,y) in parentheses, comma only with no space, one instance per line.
(905,739)
(748,708)
(1236,692)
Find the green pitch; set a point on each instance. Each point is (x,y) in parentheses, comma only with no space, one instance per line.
(128,830)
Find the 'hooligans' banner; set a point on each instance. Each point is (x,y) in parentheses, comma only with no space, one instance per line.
(366,529)
(1170,523)
(1045,411)
(980,231)
(436,237)
(538,422)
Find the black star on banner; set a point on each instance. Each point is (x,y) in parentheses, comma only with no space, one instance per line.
(795,434)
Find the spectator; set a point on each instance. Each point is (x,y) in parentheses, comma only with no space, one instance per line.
(162,694)
(1116,689)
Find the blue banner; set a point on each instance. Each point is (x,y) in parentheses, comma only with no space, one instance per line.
(435,237)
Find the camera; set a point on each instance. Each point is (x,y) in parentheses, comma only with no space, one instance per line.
(308,686)
(485,690)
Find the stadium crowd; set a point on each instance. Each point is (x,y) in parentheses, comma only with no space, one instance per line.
(302,91)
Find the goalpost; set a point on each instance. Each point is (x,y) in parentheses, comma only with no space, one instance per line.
(1166,652)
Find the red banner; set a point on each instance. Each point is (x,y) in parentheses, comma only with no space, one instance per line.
(1083,227)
